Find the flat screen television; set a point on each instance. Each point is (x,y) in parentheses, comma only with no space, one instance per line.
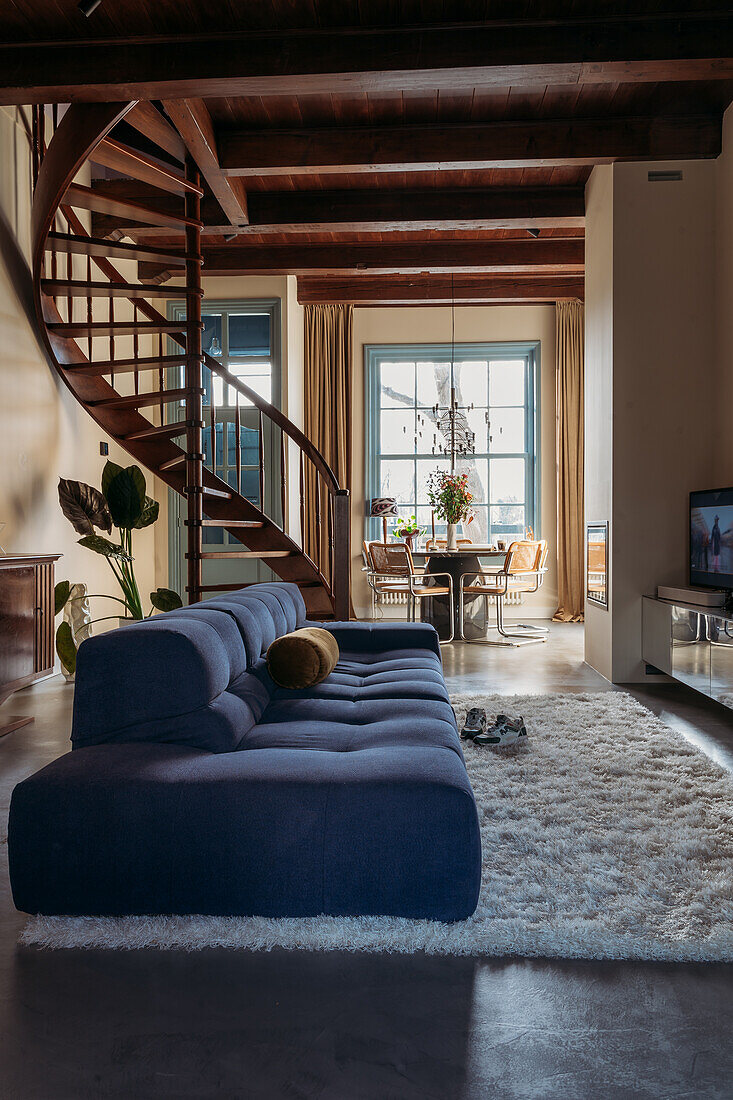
(711,538)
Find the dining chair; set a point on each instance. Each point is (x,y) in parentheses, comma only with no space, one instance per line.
(393,570)
(523,570)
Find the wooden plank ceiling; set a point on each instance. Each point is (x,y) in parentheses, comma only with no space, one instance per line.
(384,152)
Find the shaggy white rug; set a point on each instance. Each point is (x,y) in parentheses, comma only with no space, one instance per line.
(606,835)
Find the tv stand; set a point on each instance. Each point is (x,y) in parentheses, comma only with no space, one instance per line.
(692,644)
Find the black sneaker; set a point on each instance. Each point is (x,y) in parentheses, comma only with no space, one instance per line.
(474,725)
(505,731)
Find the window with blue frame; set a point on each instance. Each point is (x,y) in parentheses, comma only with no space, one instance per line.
(496,391)
(244,337)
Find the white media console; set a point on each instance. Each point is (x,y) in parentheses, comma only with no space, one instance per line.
(691,643)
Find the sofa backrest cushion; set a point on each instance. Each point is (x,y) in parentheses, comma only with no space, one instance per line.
(167,679)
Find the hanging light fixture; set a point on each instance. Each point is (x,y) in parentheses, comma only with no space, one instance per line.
(458,440)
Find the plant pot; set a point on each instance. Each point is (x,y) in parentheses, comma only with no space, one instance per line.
(452,536)
(407,539)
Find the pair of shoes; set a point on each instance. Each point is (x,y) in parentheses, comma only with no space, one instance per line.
(505,731)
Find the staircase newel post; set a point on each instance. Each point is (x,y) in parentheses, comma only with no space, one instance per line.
(341,580)
(194,390)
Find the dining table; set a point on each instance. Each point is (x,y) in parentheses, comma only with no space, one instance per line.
(466,561)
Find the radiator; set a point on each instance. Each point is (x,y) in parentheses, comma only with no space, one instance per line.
(399,599)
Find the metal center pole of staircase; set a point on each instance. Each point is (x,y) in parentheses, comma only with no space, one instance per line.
(194,391)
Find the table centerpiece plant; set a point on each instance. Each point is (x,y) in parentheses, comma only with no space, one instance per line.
(449,496)
(122,503)
(407,530)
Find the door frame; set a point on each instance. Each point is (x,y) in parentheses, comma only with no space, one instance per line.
(175,500)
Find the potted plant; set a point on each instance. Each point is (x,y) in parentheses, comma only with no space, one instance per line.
(407,530)
(449,495)
(122,503)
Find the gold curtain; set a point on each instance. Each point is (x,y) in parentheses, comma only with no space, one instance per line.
(570,460)
(328,374)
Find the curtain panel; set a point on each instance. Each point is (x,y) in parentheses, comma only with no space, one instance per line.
(327,423)
(569,325)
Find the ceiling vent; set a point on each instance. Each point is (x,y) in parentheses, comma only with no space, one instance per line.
(674,176)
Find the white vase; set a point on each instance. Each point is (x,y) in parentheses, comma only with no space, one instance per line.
(452,532)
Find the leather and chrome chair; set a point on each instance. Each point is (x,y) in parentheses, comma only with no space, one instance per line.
(523,570)
(393,571)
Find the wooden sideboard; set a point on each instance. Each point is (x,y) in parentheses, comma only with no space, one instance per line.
(27,613)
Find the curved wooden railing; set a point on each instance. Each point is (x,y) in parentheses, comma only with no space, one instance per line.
(303,536)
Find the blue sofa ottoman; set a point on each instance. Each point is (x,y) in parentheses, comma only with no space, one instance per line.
(196,785)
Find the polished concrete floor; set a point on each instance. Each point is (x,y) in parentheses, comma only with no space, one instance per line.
(93,1024)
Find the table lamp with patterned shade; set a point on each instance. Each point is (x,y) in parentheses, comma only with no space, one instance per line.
(381,508)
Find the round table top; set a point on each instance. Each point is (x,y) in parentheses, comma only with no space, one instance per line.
(482,551)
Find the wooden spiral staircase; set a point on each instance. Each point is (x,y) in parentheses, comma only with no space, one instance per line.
(117,352)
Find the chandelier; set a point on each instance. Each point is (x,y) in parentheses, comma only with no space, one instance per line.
(453,436)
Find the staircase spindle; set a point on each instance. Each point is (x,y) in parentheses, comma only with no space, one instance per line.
(194,392)
(212,416)
(261,443)
(302,502)
(238,445)
(136,356)
(331,542)
(283,479)
(161,378)
(317,549)
(90,314)
(112,339)
(69,277)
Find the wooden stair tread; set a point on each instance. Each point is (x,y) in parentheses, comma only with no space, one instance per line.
(100,246)
(77,288)
(123,366)
(253,524)
(131,162)
(117,328)
(86,198)
(171,463)
(141,400)
(147,120)
(160,431)
(255,554)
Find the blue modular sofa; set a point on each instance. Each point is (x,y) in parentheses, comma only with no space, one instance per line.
(196,785)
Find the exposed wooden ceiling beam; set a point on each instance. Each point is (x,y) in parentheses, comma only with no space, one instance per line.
(385,210)
(541,142)
(192,120)
(685,45)
(438,290)
(372,211)
(544,254)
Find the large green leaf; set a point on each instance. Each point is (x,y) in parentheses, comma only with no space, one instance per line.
(66,647)
(61,595)
(104,546)
(111,469)
(84,507)
(149,513)
(126,497)
(164,599)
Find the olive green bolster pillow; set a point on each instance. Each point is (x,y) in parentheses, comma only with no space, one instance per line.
(303,658)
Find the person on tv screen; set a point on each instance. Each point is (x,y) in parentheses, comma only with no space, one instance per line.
(715,546)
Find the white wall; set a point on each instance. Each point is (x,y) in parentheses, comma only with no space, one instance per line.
(724,299)
(655,282)
(44,432)
(598,387)
(424,325)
